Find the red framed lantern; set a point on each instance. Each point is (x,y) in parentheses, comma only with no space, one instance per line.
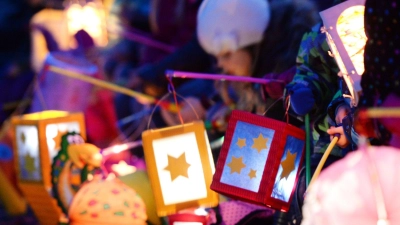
(259,161)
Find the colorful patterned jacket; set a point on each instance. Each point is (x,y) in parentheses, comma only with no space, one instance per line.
(317,70)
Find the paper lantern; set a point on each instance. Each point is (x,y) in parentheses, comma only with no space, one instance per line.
(36,142)
(344,26)
(362,188)
(107,202)
(180,167)
(139,181)
(259,160)
(89,16)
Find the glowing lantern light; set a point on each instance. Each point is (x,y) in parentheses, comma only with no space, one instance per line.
(122,168)
(36,142)
(260,160)
(344,27)
(89,16)
(180,167)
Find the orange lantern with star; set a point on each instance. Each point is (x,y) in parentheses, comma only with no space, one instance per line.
(180,167)
(259,160)
(37,138)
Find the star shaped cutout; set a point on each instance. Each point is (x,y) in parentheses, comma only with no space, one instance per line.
(29,163)
(236,164)
(23,138)
(288,164)
(177,166)
(260,143)
(241,142)
(57,139)
(252,173)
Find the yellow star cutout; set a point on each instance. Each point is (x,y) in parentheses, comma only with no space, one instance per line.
(23,138)
(29,163)
(236,164)
(241,142)
(252,174)
(288,165)
(260,143)
(57,139)
(177,166)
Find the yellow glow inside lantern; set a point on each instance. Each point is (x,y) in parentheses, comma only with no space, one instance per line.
(44,115)
(350,27)
(89,17)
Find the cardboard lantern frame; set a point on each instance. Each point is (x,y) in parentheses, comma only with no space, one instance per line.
(275,152)
(331,18)
(157,147)
(34,179)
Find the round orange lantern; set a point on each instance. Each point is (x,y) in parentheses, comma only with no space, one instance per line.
(107,202)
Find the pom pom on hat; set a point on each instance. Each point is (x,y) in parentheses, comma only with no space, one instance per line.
(227,25)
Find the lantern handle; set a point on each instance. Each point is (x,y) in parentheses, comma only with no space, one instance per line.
(343,71)
(161,100)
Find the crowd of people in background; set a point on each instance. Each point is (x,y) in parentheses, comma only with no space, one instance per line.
(271,39)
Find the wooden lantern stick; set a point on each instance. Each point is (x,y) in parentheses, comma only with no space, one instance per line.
(324,158)
(180,74)
(383,112)
(104,84)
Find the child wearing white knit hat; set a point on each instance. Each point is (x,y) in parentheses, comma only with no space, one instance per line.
(255,38)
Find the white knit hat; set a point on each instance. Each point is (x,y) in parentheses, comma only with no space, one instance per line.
(227,25)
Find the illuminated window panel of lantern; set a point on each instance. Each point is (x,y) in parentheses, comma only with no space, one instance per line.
(350,27)
(285,179)
(176,191)
(88,16)
(27,140)
(54,132)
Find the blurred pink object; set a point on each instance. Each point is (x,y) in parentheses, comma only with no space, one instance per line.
(392,124)
(345,193)
(57,92)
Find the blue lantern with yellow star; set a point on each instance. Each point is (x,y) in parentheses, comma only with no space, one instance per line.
(37,138)
(259,161)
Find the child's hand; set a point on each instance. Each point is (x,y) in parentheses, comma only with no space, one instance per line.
(342,142)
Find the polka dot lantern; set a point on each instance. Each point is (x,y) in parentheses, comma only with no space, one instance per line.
(106,202)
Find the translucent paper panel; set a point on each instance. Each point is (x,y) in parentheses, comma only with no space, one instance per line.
(27,139)
(54,132)
(350,27)
(179,168)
